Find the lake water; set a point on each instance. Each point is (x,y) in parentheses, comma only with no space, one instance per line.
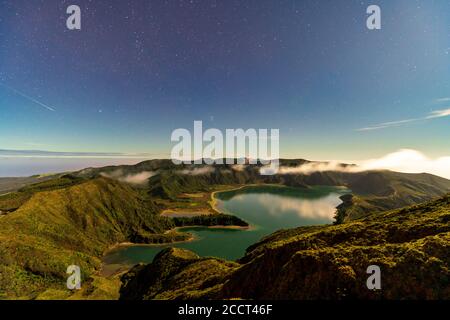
(265,208)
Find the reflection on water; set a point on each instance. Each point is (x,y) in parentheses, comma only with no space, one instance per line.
(267,209)
(321,209)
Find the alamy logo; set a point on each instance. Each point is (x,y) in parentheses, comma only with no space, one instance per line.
(374,20)
(73,22)
(374,281)
(237,146)
(74,280)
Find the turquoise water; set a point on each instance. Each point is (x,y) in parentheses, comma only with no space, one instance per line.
(265,208)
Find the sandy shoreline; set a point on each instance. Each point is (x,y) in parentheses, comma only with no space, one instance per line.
(249,227)
(174,214)
(132,244)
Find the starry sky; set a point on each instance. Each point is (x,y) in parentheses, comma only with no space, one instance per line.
(140,69)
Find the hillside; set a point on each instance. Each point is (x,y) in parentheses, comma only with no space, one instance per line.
(47,226)
(373,191)
(410,245)
(72,225)
(11,201)
(13,184)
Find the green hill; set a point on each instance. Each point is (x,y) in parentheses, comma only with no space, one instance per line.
(71,220)
(13,184)
(72,225)
(410,245)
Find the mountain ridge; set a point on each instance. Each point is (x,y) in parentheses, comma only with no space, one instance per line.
(372,190)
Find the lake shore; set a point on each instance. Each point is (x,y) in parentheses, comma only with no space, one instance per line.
(133,244)
(205,240)
(184,214)
(192,238)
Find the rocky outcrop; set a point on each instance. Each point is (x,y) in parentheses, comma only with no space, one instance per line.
(176,274)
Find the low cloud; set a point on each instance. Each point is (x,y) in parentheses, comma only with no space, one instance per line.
(134,179)
(410,161)
(405,160)
(197,171)
(312,167)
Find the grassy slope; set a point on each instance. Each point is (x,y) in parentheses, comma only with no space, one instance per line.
(378,191)
(72,220)
(13,200)
(13,184)
(73,225)
(411,246)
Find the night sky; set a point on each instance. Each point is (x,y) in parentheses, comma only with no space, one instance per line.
(139,69)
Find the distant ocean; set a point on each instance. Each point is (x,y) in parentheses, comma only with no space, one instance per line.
(28,166)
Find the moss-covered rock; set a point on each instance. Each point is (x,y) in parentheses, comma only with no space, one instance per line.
(176,273)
